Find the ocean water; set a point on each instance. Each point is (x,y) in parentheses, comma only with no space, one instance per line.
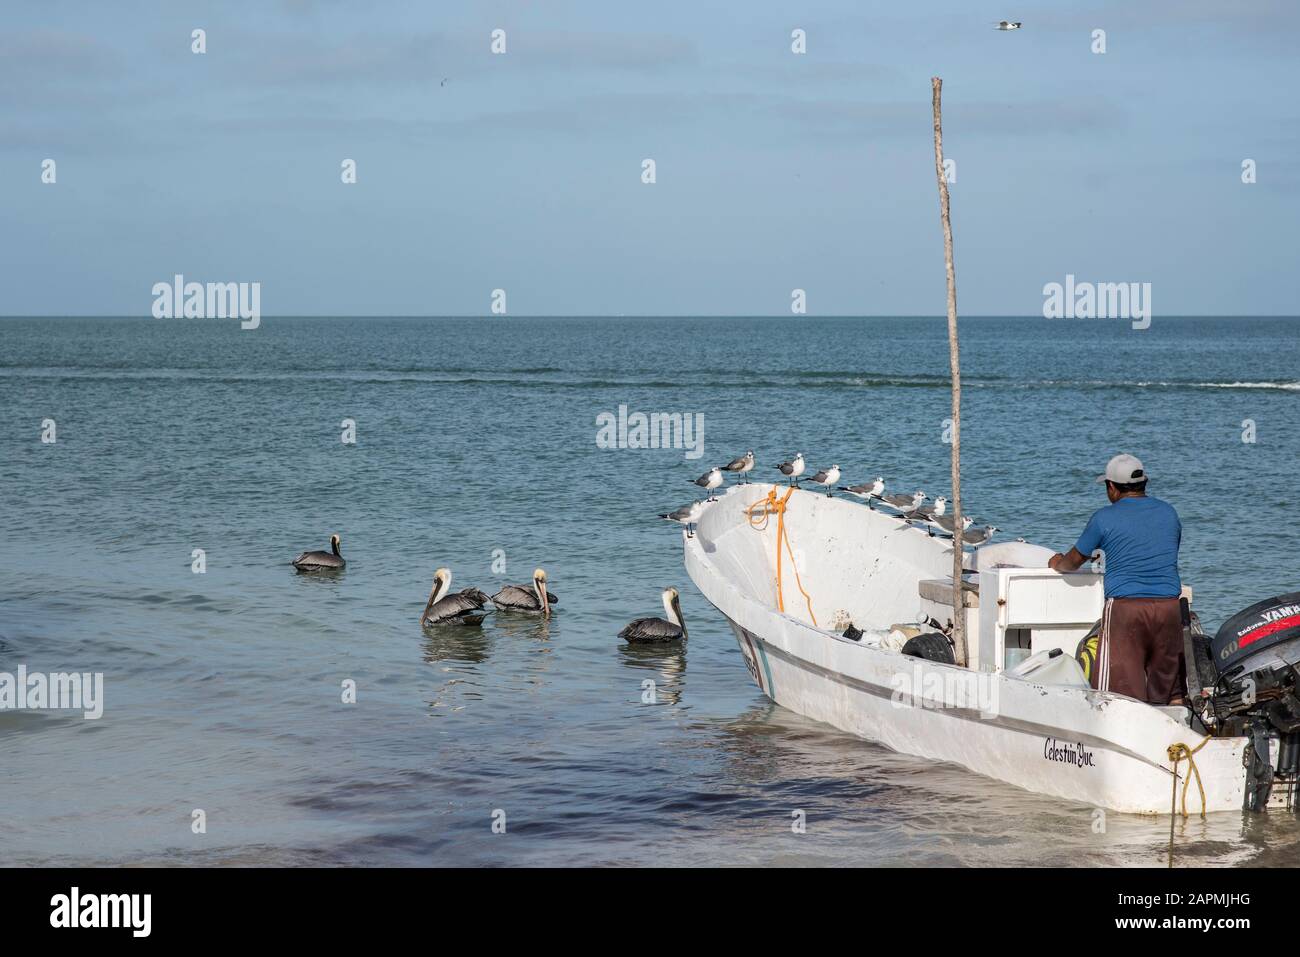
(476,444)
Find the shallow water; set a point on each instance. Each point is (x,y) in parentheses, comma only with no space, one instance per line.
(223,689)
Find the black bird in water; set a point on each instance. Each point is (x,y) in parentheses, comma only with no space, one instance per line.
(321,561)
(650,630)
(525,598)
(444,608)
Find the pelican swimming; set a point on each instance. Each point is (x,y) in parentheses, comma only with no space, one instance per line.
(742,465)
(525,598)
(827,477)
(462,608)
(649,630)
(793,468)
(321,561)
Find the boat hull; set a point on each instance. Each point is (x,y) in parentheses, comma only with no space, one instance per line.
(1102,749)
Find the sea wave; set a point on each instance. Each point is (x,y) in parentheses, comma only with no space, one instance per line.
(1178,384)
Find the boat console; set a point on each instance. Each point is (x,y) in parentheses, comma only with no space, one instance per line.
(1027,608)
(1017,608)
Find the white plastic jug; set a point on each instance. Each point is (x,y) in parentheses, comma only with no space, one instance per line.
(1051,667)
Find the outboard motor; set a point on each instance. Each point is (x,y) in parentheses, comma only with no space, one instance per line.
(1246,681)
(1267,634)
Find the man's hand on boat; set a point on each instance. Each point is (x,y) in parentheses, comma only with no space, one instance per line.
(1071,561)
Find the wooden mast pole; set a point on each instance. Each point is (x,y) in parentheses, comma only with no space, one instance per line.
(959,596)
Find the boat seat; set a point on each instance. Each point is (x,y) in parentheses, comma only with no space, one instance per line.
(939,590)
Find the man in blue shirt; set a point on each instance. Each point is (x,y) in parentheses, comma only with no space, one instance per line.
(1140,648)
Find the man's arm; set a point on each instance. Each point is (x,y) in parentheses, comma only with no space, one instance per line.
(1069,562)
(1087,544)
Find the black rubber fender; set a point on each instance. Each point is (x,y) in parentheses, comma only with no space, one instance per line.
(932,646)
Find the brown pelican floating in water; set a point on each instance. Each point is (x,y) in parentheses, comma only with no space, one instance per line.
(321,561)
(443,608)
(646,630)
(524,598)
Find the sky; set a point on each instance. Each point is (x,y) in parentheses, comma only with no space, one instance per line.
(774,171)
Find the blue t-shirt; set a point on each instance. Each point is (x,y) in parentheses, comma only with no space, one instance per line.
(1140,537)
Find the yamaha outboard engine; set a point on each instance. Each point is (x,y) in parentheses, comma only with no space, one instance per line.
(1267,634)
(1246,681)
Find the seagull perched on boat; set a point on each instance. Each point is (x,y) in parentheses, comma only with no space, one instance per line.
(944,523)
(827,478)
(1008,25)
(524,598)
(927,512)
(867,490)
(709,480)
(687,515)
(904,503)
(793,468)
(977,537)
(445,608)
(650,630)
(741,465)
(330,561)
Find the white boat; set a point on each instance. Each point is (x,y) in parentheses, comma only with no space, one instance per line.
(1036,724)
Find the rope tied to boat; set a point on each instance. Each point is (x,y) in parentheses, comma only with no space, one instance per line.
(774,506)
(1176,753)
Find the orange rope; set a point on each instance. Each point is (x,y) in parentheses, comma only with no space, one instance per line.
(1176,753)
(778,507)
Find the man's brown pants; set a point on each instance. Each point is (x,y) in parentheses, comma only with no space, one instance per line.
(1140,650)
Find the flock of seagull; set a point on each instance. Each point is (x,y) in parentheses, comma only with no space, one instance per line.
(910,508)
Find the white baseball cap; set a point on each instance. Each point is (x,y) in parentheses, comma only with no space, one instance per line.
(1124,469)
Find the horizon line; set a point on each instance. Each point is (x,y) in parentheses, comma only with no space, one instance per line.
(648,315)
